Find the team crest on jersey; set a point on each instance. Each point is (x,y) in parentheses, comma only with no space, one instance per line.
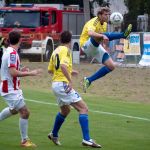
(12,58)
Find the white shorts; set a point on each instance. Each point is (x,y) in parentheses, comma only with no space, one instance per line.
(93,51)
(63,98)
(15,100)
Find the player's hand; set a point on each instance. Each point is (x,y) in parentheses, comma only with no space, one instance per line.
(105,38)
(25,69)
(69,87)
(74,73)
(36,72)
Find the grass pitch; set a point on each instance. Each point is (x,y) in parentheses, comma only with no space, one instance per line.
(119,111)
(114,124)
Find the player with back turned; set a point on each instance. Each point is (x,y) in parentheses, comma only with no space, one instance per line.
(60,66)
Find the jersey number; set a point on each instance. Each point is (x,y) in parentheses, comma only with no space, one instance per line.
(77,95)
(57,62)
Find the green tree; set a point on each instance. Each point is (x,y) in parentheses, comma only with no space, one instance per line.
(136,7)
(65,2)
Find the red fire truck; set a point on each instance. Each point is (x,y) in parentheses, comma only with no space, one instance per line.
(40,25)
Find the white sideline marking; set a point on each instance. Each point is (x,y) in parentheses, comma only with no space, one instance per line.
(94,111)
(122,115)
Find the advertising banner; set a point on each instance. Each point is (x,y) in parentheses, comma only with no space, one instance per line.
(145,60)
(132,46)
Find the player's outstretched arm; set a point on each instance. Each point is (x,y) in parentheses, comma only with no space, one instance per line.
(24,68)
(17,73)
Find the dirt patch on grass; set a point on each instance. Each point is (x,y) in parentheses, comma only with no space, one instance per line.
(128,84)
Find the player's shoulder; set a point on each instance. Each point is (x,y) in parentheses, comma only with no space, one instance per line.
(94,21)
(63,49)
(60,51)
(10,50)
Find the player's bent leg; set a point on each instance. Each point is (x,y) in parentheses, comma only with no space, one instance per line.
(90,47)
(109,63)
(55,140)
(23,124)
(5,113)
(86,84)
(65,110)
(59,120)
(82,108)
(24,112)
(128,31)
(102,57)
(118,35)
(109,66)
(114,35)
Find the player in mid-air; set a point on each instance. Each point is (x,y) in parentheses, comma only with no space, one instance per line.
(10,86)
(60,66)
(93,35)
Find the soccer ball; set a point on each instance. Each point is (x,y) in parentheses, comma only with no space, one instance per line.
(116,18)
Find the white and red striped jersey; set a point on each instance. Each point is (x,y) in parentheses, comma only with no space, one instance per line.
(10,59)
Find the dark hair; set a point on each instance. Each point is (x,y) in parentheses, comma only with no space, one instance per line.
(101,10)
(14,37)
(65,37)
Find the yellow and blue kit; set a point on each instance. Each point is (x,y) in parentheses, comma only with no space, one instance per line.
(95,25)
(61,55)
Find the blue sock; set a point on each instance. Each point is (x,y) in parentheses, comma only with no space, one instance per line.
(84,123)
(99,74)
(58,122)
(114,35)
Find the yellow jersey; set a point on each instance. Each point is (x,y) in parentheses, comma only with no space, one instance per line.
(61,55)
(95,25)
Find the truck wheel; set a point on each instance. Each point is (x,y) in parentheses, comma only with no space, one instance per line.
(48,51)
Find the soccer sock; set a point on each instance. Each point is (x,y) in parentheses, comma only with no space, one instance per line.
(99,74)
(114,35)
(84,123)
(23,124)
(58,122)
(5,113)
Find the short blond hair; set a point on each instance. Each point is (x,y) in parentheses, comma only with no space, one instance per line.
(101,10)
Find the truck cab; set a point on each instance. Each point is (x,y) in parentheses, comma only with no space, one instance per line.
(40,26)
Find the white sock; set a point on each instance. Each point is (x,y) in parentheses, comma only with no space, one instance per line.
(5,113)
(23,124)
